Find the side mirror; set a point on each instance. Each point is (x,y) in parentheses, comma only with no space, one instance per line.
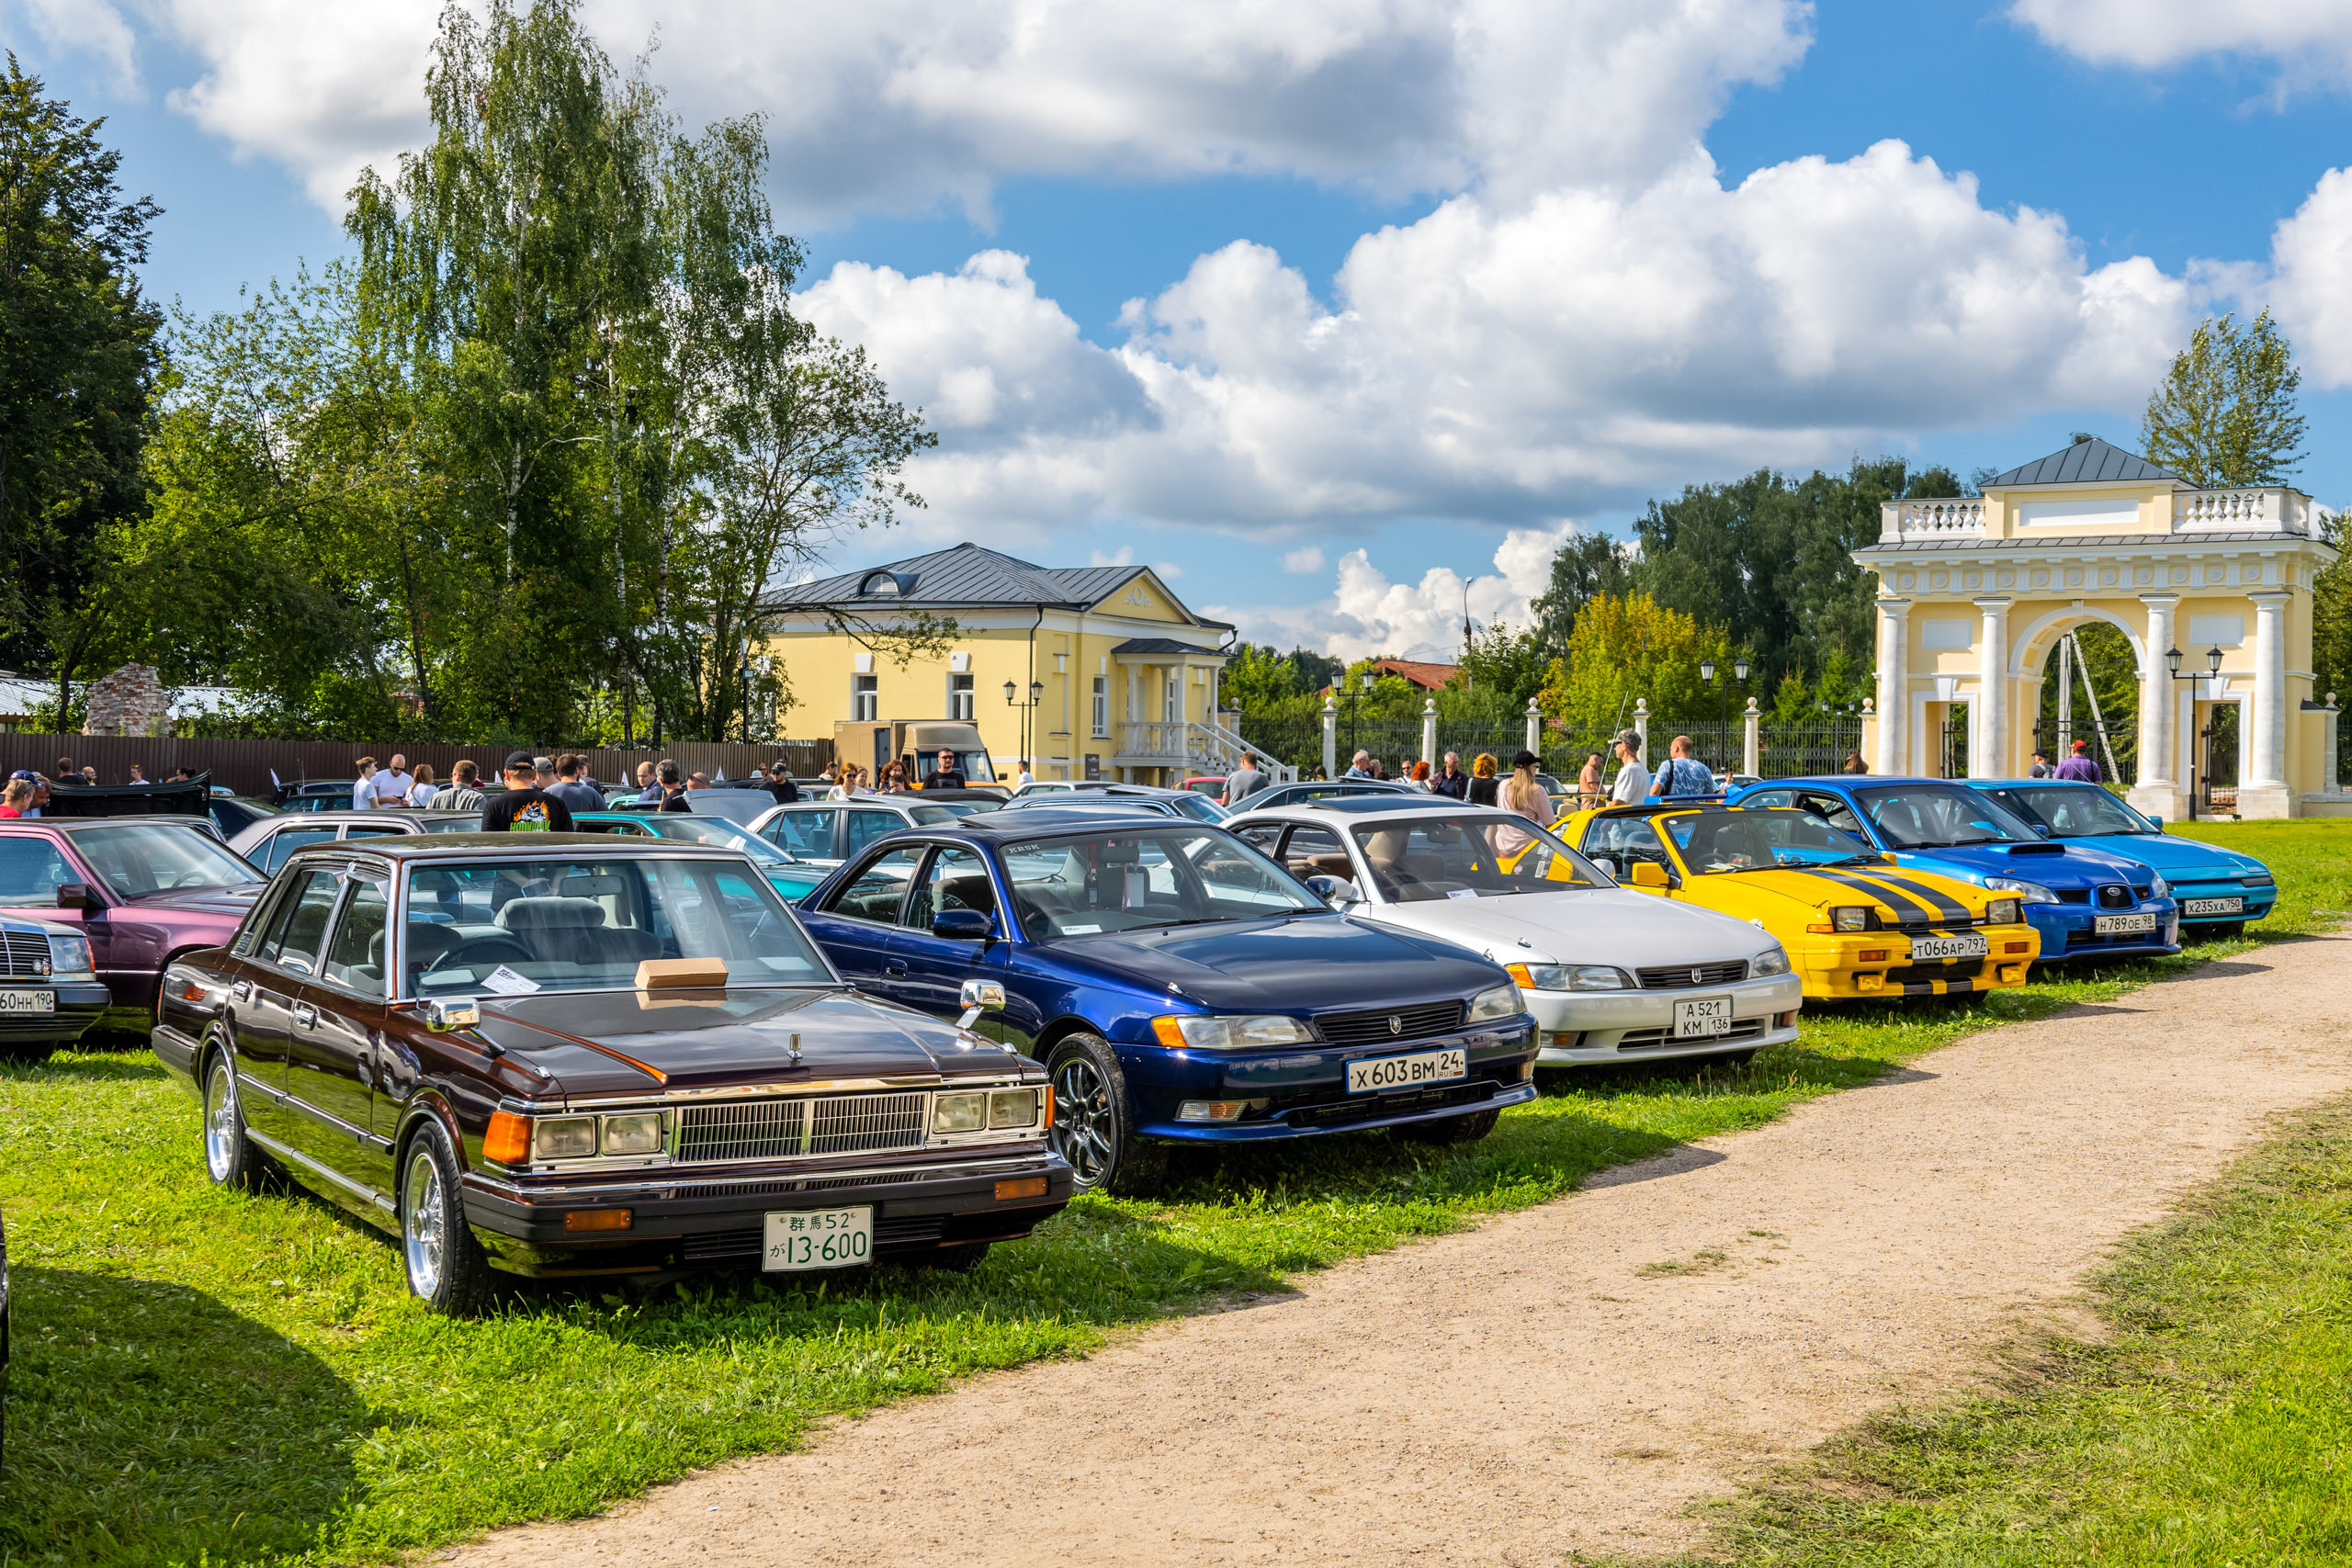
(77,896)
(978,996)
(2157,823)
(1336,891)
(2042,829)
(1649,873)
(960,925)
(441,1015)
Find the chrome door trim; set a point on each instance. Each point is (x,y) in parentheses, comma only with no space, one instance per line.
(333,1177)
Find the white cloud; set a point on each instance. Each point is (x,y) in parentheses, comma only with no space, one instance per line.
(896,104)
(2310,40)
(1367,614)
(95,28)
(2312,257)
(1123,556)
(1304,562)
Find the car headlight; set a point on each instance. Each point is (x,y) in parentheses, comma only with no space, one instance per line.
(638,1133)
(965,1112)
(2159,887)
(1773,960)
(1213,1033)
(2252,879)
(69,958)
(2031,892)
(1012,1108)
(1501,1002)
(1849,918)
(1569,977)
(2003,912)
(563,1138)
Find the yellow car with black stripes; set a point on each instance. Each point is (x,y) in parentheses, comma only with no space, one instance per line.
(1855,924)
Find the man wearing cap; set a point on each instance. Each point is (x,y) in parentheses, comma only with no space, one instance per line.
(2079,768)
(525,807)
(2042,768)
(1632,784)
(780,785)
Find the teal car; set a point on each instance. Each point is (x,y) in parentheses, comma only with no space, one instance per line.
(2219,890)
(791,878)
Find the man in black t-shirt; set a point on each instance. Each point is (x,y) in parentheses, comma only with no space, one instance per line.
(943,776)
(525,807)
(781,785)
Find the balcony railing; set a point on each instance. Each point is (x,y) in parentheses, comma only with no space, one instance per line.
(2259,508)
(1962,517)
(1207,748)
(2270,509)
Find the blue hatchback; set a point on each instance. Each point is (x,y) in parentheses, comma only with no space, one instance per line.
(2085,903)
(1179,985)
(2219,890)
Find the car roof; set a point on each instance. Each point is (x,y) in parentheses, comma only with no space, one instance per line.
(472,846)
(2036,783)
(1029,823)
(392,814)
(75,824)
(1408,803)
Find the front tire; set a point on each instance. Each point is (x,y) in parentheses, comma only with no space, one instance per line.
(230,1157)
(1095,1121)
(446,1269)
(1450,1131)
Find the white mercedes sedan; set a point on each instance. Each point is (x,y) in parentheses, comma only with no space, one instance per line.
(1611,975)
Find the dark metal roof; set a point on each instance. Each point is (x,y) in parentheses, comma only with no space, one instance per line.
(966,577)
(2085,462)
(1158,644)
(2070,541)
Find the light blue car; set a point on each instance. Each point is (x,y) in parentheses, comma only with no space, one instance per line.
(2219,890)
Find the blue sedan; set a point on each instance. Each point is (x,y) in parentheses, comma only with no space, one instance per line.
(2086,903)
(2219,890)
(1179,985)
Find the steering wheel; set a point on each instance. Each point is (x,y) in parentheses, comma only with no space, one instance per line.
(190,879)
(470,953)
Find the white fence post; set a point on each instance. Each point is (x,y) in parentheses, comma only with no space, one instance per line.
(1642,729)
(1429,732)
(1330,737)
(1534,727)
(1751,750)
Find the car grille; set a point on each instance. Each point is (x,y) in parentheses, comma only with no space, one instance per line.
(2114,896)
(24,953)
(1371,1107)
(724,1247)
(782,1129)
(1374,1028)
(1681,976)
(1920,973)
(1651,1039)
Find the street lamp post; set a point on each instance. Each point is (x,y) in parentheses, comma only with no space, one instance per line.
(2213,668)
(1036,695)
(1723,705)
(1355,707)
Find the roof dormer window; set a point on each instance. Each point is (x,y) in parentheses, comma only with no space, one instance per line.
(879,584)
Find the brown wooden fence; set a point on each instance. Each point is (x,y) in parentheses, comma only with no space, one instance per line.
(246,766)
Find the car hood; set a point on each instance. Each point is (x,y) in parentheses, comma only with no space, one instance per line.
(617,1041)
(229,903)
(2169,854)
(2069,864)
(1306,963)
(1600,925)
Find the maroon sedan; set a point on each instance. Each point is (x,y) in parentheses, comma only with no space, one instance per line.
(143,889)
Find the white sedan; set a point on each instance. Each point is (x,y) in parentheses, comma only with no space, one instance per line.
(1611,975)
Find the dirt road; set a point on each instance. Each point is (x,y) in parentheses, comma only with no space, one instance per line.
(1573,1376)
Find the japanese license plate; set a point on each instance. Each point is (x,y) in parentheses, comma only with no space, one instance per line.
(2213,905)
(1376,1073)
(1973,945)
(2124,925)
(1702,1018)
(28,1001)
(818,1238)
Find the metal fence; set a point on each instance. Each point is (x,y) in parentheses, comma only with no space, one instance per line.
(1802,750)
(245,766)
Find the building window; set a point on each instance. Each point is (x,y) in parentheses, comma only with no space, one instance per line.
(959,697)
(1102,708)
(1174,712)
(865,698)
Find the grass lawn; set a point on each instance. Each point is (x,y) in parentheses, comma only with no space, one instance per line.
(2214,1428)
(198,1374)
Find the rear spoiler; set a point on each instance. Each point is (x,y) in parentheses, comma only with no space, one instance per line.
(185,797)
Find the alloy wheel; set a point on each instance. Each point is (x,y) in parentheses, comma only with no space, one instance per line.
(421,1233)
(220,1121)
(1082,1120)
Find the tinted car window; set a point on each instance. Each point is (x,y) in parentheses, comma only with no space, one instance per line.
(1921,816)
(1717,841)
(809,834)
(1770,797)
(875,893)
(294,944)
(864,827)
(1316,851)
(356,961)
(368,830)
(284,844)
(453,822)
(2072,811)
(30,870)
(1153,877)
(956,879)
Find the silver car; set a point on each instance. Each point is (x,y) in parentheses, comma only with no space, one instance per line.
(267,842)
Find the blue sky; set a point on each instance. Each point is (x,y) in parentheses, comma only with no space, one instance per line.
(1223,433)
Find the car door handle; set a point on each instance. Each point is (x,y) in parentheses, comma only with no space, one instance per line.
(242,990)
(894,971)
(305,1016)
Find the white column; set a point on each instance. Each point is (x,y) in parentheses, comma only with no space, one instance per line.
(1988,729)
(1429,732)
(1330,737)
(1534,727)
(1642,729)
(1894,687)
(2264,792)
(1752,747)
(2159,791)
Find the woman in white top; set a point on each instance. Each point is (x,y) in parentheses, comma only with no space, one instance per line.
(849,788)
(421,793)
(1521,796)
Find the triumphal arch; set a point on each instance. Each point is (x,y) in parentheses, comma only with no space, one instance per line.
(1975,592)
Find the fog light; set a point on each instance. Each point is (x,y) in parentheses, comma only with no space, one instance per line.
(1563,1040)
(2014,974)
(1786,1021)
(597,1219)
(1211,1109)
(1873,956)
(1527,1069)
(959,1113)
(1869,982)
(2016,947)
(1012,1108)
(1020,1187)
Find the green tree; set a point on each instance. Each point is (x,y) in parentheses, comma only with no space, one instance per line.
(1628,647)
(2225,413)
(79,356)
(1502,667)
(1587,566)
